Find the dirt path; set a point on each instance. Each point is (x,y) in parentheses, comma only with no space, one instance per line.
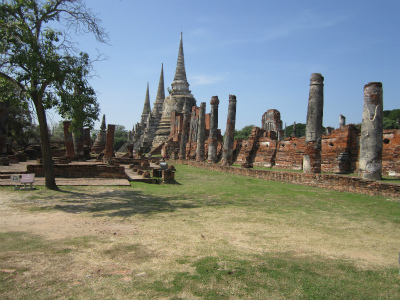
(54,224)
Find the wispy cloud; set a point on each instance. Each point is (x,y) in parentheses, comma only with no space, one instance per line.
(203,79)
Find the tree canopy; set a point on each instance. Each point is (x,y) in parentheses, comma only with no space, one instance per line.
(300,130)
(120,136)
(244,133)
(391,118)
(42,61)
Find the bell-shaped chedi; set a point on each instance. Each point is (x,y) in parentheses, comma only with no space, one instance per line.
(179,95)
(100,143)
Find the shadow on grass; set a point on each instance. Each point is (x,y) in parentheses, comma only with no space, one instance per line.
(126,203)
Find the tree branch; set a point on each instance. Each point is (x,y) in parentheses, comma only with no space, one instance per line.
(13,81)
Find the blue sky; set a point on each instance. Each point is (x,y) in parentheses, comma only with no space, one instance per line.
(262,51)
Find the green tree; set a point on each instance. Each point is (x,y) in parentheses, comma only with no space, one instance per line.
(20,123)
(300,130)
(44,64)
(390,118)
(120,136)
(244,133)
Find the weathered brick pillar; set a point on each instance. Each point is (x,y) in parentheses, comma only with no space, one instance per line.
(4,115)
(312,153)
(87,141)
(342,121)
(78,144)
(109,151)
(69,142)
(371,140)
(227,150)
(185,131)
(294,130)
(130,150)
(201,133)
(212,139)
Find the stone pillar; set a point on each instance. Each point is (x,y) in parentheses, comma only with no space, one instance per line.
(342,121)
(109,151)
(227,150)
(312,153)
(78,144)
(294,130)
(4,115)
(185,131)
(371,140)
(201,133)
(87,141)
(69,142)
(212,140)
(130,150)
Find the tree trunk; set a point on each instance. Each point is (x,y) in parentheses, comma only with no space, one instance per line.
(45,143)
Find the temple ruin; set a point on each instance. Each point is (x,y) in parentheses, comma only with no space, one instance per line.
(178,129)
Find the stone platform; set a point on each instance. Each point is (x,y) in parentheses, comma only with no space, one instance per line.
(20,168)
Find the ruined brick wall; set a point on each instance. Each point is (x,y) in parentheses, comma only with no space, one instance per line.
(391,152)
(266,152)
(339,154)
(341,183)
(340,150)
(81,171)
(289,154)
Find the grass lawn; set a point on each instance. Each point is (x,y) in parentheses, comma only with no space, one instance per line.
(210,236)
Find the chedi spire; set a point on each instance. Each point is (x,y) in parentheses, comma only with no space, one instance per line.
(146,107)
(180,85)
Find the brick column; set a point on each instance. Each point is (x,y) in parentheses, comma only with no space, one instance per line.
(69,142)
(371,140)
(201,133)
(87,141)
(212,139)
(109,151)
(294,130)
(227,151)
(78,144)
(312,153)
(342,121)
(185,131)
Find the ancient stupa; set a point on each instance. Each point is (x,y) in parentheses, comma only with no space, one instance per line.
(100,143)
(179,94)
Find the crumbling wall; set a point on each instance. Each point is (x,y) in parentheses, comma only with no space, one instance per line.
(81,171)
(343,183)
(340,150)
(289,154)
(391,152)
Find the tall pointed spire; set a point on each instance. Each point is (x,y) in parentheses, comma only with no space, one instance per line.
(103,123)
(180,85)
(161,91)
(158,104)
(180,73)
(146,107)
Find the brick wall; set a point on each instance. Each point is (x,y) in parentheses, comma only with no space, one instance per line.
(81,171)
(339,151)
(391,152)
(329,181)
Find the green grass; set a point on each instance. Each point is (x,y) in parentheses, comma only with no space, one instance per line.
(209,236)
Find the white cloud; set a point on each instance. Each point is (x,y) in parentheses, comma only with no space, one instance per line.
(202,79)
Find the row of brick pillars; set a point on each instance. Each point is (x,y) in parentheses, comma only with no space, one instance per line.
(371,141)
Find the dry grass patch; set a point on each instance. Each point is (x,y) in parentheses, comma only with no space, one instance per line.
(212,236)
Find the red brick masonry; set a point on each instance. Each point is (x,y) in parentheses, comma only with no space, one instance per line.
(81,171)
(341,183)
